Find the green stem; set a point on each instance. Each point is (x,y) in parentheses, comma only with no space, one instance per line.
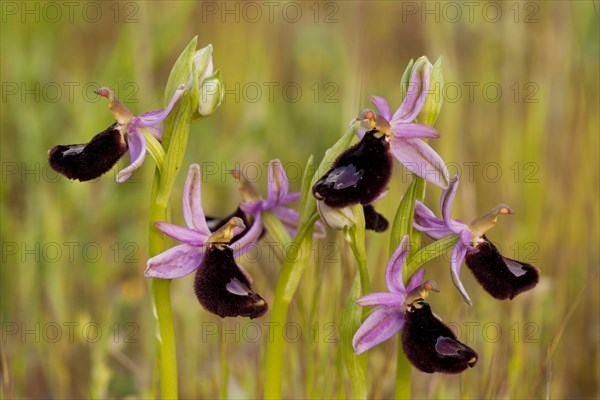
(357,244)
(287,284)
(224,368)
(161,302)
(403,370)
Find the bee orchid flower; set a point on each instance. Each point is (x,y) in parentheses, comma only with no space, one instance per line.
(88,161)
(185,258)
(405,135)
(388,319)
(500,276)
(277,201)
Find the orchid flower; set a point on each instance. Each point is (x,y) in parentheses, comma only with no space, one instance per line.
(429,344)
(88,161)
(387,320)
(185,258)
(406,137)
(502,277)
(278,197)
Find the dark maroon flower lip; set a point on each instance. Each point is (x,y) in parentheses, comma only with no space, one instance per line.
(359,175)
(430,345)
(502,277)
(88,161)
(224,289)
(373,220)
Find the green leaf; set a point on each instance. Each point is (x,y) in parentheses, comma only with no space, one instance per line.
(181,70)
(356,238)
(350,322)
(176,149)
(154,148)
(429,252)
(403,221)
(305,188)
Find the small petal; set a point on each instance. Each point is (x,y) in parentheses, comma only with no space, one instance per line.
(426,221)
(447,199)
(361,130)
(417,92)
(192,201)
(277,185)
(137,154)
(416,280)
(381,325)
(419,158)
(386,299)
(174,263)
(156,117)
(403,130)
(291,197)
(250,237)
(288,216)
(393,271)
(458,255)
(182,234)
(382,106)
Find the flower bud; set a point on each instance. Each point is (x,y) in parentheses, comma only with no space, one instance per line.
(211,94)
(203,64)
(433,105)
(336,218)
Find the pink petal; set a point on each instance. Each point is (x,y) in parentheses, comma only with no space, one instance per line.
(458,255)
(426,221)
(381,299)
(249,239)
(393,271)
(381,325)
(418,89)
(277,185)
(137,154)
(156,117)
(447,199)
(382,106)
(182,234)
(192,201)
(176,262)
(419,158)
(416,280)
(408,131)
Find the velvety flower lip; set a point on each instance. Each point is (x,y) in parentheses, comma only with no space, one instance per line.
(406,136)
(430,345)
(278,198)
(471,238)
(224,288)
(185,258)
(388,319)
(359,175)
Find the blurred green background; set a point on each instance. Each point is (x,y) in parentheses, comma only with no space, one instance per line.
(519,123)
